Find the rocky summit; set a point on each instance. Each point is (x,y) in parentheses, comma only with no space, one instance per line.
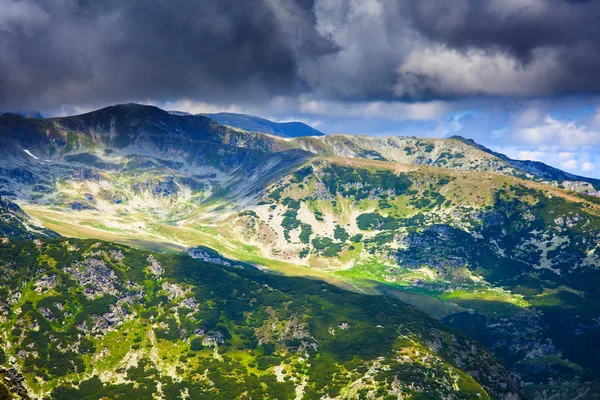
(153,254)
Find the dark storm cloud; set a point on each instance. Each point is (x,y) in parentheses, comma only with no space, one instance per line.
(527,30)
(438,48)
(519,27)
(69,51)
(91,52)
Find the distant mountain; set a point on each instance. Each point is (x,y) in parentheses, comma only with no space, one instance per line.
(256,124)
(26,114)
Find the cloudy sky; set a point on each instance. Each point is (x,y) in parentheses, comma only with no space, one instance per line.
(519,76)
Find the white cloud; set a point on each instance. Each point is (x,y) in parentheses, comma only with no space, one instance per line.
(448,127)
(474,72)
(531,155)
(498,133)
(569,164)
(594,120)
(422,111)
(287,109)
(66,111)
(529,117)
(565,155)
(197,107)
(566,134)
(312,122)
(588,166)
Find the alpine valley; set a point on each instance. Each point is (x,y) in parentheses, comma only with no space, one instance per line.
(152,254)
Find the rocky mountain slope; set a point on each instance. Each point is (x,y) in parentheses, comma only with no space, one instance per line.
(541,170)
(15,223)
(39,153)
(455,153)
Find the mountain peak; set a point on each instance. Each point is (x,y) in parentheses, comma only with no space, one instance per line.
(129,108)
(472,143)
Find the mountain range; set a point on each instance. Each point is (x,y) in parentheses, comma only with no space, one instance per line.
(252,123)
(152,253)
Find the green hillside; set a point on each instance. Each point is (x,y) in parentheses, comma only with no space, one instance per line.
(89,319)
(511,262)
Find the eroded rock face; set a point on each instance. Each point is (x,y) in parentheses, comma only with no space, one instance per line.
(115,317)
(213,339)
(14,381)
(581,187)
(202,254)
(45,283)
(162,188)
(94,276)
(86,174)
(155,266)
(173,290)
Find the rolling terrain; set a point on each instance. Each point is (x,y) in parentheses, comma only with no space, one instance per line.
(84,319)
(505,251)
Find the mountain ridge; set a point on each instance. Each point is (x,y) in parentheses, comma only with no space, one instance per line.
(257,124)
(535,167)
(133,119)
